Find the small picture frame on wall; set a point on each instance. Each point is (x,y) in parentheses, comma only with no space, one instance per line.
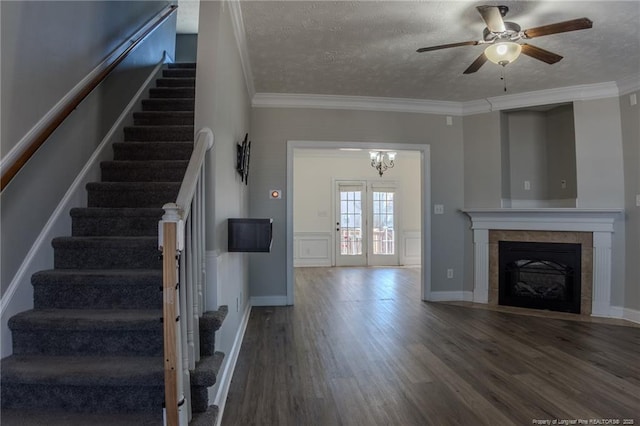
(242,158)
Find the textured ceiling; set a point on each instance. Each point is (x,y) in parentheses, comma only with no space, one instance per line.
(368,48)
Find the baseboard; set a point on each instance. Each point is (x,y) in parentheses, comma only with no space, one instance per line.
(451,296)
(41,247)
(632,315)
(269,301)
(224,379)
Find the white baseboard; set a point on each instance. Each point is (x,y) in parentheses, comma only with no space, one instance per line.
(269,301)
(632,315)
(229,366)
(628,314)
(451,296)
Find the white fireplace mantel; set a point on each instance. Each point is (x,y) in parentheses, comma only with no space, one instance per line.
(598,221)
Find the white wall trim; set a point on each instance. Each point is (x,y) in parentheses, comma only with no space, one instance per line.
(632,315)
(451,296)
(407,257)
(629,84)
(241,41)
(268,300)
(224,379)
(582,92)
(312,249)
(628,314)
(75,192)
(365,103)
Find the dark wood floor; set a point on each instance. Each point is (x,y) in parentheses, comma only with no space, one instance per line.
(360,348)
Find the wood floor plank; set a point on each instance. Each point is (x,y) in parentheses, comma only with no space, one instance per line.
(360,348)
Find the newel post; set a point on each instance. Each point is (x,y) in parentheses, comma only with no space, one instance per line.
(170,234)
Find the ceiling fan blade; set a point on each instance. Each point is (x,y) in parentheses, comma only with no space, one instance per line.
(493,18)
(475,66)
(446,46)
(540,54)
(560,27)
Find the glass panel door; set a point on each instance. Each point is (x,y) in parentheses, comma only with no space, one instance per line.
(351,238)
(383,226)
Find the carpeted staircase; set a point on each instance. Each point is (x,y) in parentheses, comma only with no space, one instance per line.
(90,352)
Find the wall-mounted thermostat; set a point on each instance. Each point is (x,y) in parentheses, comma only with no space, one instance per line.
(275,194)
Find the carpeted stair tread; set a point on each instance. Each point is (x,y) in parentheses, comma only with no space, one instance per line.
(159,133)
(206,418)
(144,171)
(209,323)
(152,150)
(202,377)
(191,65)
(88,332)
(178,72)
(18,417)
(97,289)
(172,92)
(87,319)
(83,370)
(106,253)
(103,221)
(176,82)
(163,118)
(131,194)
(168,104)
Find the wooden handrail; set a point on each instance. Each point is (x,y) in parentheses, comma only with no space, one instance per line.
(52,124)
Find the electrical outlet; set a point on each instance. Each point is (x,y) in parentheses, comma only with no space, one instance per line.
(563,184)
(438,209)
(527,185)
(449,273)
(638,200)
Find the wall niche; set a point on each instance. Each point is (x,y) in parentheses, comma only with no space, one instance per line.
(538,157)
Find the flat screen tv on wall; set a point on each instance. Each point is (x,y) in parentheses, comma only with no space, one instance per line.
(250,235)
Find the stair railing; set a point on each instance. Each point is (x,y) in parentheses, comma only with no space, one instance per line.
(30,143)
(181,234)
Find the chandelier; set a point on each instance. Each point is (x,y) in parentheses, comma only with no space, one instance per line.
(382,160)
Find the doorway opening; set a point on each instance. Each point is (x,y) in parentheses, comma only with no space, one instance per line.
(349,216)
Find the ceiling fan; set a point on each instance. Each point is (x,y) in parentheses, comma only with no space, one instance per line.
(502,38)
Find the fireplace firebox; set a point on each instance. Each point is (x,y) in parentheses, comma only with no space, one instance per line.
(540,275)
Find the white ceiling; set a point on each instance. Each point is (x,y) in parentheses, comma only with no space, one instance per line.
(368,48)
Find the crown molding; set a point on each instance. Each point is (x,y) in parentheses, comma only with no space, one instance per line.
(241,41)
(365,103)
(479,106)
(583,92)
(629,84)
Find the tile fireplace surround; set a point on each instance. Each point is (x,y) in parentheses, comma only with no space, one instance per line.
(592,228)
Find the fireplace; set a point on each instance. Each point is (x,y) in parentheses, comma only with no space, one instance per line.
(540,275)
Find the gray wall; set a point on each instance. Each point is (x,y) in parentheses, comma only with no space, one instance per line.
(630,119)
(561,153)
(482,160)
(541,150)
(222,104)
(186,47)
(272,128)
(47,48)
(528,154)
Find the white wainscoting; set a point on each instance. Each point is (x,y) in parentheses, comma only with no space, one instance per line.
(312,249)
(410,253)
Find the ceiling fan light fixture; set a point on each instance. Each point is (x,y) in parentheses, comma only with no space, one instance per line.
(503,52)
